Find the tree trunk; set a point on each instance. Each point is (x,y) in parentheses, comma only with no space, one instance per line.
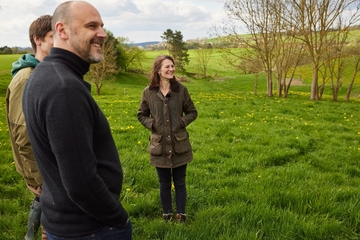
(269,85)
(334,89)
(356,69)
(256,83)
(350,88)
(280,87)
(314,95)
(98,87)
(287,88)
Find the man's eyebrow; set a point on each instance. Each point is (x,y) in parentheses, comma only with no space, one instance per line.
(94,23)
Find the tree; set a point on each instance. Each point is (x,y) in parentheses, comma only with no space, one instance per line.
(279,31)
(131,57)
(15,50)
(289,54)
(336,62)
(354,56)
(135,56)
(177,48)
(313,23)
(5,50)
(268,48)
(203,56)
(106,69)
(261,19)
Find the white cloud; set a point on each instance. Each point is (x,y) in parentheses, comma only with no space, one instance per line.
(139,20)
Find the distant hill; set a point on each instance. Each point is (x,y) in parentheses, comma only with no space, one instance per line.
(144,44)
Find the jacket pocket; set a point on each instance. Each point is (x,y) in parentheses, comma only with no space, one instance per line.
(182,142)
(155,147)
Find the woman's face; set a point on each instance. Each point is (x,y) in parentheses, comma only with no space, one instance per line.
(167,69)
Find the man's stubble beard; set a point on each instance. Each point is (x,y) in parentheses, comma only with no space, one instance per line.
(96,58)
(85,52)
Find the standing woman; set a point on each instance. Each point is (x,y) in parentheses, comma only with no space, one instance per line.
(166,109)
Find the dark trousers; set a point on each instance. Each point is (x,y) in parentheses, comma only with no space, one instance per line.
(178,176)
(107,233)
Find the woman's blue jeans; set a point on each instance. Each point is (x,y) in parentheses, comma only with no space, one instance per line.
(106,233)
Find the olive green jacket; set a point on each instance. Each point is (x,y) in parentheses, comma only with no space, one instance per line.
(167,118)
(22,152)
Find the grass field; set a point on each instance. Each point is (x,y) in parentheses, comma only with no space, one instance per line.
(264,168)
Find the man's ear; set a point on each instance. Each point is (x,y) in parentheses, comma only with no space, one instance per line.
(37,40)
(61,30)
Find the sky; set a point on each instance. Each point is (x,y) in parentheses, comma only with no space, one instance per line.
(138,20)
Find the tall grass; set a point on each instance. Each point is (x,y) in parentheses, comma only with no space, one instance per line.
(263,168)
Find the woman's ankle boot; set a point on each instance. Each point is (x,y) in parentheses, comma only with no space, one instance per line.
(181,217)
(167,217)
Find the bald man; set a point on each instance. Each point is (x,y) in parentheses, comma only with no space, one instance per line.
(70,135)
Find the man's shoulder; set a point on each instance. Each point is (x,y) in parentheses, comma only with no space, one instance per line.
(24,73)
(21,77)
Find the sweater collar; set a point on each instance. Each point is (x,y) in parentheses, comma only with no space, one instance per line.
(71,60)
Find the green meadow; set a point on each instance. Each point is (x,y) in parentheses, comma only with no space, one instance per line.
(263,168)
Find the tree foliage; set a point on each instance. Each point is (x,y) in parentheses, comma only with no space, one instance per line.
(106,69)
(131,57)
(202,58)
(176,47)
(5,50)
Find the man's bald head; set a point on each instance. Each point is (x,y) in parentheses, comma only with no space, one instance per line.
(78,28)
(62,13)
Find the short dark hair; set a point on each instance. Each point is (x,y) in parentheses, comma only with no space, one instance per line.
(154,76)
(39,28)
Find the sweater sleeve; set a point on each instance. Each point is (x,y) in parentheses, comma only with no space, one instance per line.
(76,126)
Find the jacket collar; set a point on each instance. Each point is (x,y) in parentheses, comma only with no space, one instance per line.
(174,86)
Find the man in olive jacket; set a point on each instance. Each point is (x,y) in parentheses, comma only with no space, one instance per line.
(41,39)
